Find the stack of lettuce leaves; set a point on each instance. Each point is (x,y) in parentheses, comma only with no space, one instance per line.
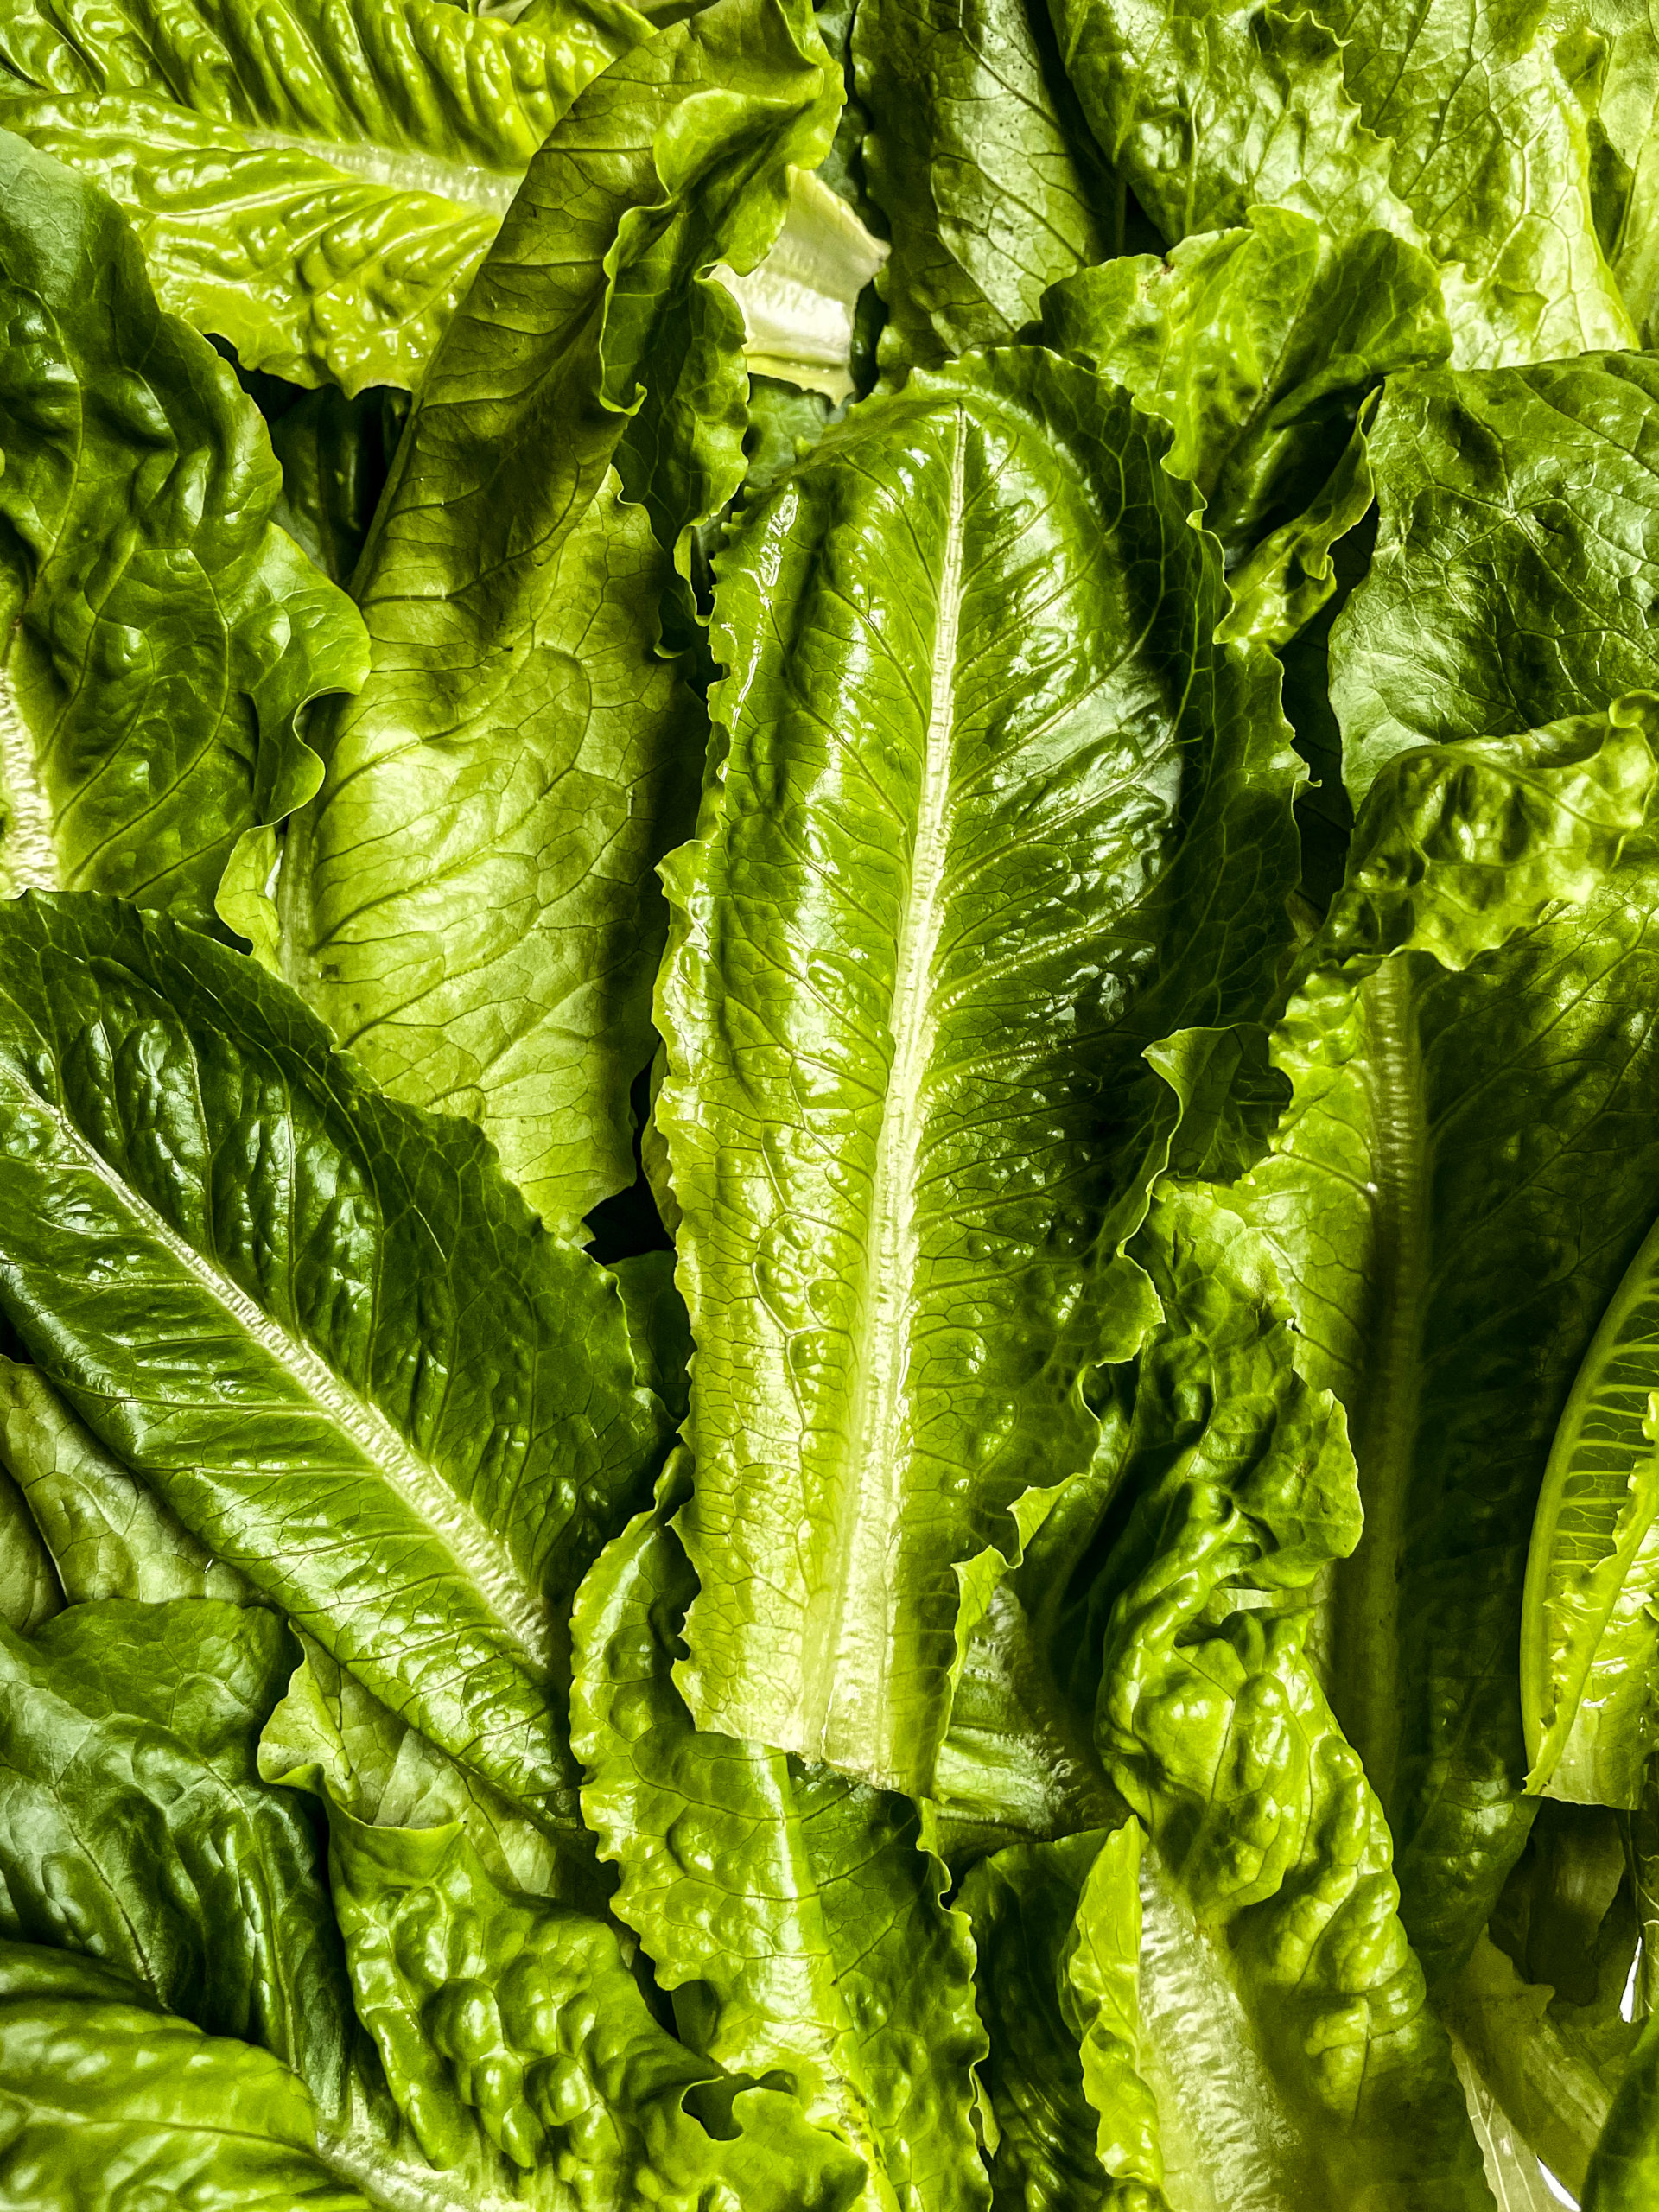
(829,1106)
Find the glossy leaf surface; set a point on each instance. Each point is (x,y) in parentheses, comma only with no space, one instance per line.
(1587,1633)
(316,183)
(1214,1725)
(1458,1109)
(518,2046)
(1257,345)
(134,1826)
(270,1292)
(797,1914)
(1475,620)
(471,902)
(162,635)
(1457,131)
(1057,1927)
(104,2099)
(982,813)
(106,1536)
(976,154)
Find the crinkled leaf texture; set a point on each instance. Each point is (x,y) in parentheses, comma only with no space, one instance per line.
(1306,2065)
(1477,619)
(314,182)
(471,903)
(104,1535)
(976,154)
(1469,1056)
(161,636)
(1456,128)
(318,1324)
(516,2040)
(1257,345)
(987,811)
(334,1738)
(797,1916)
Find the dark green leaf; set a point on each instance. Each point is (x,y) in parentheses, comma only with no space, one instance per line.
(977,156)
(159,635)
(318,1324)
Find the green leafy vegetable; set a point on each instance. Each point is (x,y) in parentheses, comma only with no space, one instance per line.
(1477,619)
(316,183)
(1410,1171)
(261,1344)
(471,902)
(519,2047)
(1132,1690)
(104,1534)
(1213,1723)
(102,2095)
(799,302)
(1458,132)
(1256,346)
(797,1915)
(133,1824)
(1058,1931)
(965,856)
(159,635)
(989,181)
(1588,1634)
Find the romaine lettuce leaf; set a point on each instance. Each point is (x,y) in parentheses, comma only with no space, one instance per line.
(318,1324)
(1479,617)
(162,636)
(106,1536)
(989,814)
(471,903)
(1551,2095)
(335,453)
(106,2100)
(1466,1063)
(314,182)
(976,154)
(134,1826)
(521,2048)
(29,1589)
(1257,345)
(1624,2169)
(796,1915)
(1459,131)
(1589,1633)
(1057,1927)
(1214,1725)
(800,303)
(333,1736)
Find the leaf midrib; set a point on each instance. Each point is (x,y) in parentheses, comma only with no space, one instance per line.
(872,1463)
(1386,1430)
(468,184)
(488,1567)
